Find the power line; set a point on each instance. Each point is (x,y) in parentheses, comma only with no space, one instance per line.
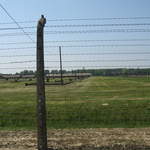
(16,23)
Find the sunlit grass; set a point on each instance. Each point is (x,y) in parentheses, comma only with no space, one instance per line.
(93,102)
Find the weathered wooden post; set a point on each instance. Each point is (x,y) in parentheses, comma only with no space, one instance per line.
(41,107)
(61,71)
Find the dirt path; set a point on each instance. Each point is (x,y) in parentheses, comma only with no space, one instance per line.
(80,139)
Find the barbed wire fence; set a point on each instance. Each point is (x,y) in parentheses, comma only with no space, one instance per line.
(86,44)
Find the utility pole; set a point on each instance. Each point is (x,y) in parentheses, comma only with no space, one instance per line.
(41,106)
(61,73)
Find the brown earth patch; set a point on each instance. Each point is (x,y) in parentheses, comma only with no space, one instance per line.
(79,139)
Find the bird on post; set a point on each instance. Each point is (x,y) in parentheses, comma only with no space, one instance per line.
(41,22)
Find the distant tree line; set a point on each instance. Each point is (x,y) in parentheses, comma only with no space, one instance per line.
(116,72)
(96,72)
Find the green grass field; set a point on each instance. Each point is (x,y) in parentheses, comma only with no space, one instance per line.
(91,103)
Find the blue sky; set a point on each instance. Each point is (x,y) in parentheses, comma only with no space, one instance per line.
(30,10)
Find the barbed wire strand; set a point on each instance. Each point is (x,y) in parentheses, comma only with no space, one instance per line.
(13,19)
(83,19)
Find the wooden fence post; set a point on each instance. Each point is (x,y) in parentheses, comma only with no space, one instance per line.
(61,71)
(41,106)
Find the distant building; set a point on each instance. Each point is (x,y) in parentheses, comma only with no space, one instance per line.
(14,76)
(69,75)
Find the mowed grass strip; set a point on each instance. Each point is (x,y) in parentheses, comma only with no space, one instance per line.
(91,103)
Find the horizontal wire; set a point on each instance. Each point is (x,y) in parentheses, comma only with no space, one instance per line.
(103,60)
(98,31)
(72,54)
(128,66)
(17,56)
(97,25)
(119,66)
(17,48)
(79,25)
(65,46)
(109,45)
(82,19)
(20,22)
(104,53)
(12,68)
(16,62)
(88,19)
(73,41)
(108,60)
(80,31)
(69,46)
(15,28)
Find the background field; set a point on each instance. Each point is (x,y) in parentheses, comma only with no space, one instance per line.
(91,103)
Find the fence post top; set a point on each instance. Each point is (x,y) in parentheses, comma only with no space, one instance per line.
(42,21)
